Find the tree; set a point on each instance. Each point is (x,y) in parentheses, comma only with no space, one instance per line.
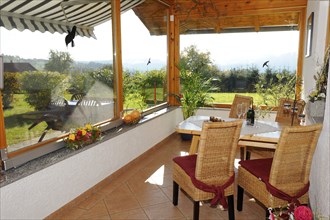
(41,87)
(11,86)
(196,62)
(59,62)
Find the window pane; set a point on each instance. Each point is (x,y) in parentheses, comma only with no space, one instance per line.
(237,63)
(144,64)
(51,88)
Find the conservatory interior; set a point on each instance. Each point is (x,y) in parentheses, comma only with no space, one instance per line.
(125,169)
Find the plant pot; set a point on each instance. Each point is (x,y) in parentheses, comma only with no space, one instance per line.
(317,108)
(186,137)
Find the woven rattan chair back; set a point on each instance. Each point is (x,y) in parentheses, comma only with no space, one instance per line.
(247,100)
(284,115)
(217,150)
(293,157)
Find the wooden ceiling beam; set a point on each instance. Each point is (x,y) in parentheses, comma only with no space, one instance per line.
(217,15)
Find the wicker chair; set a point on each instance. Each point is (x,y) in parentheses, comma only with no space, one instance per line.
(284,115)
(284,179)
(247,100)
(211,170)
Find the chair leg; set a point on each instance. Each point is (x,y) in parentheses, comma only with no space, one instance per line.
(267,213)
(43,134)
(231,211)
(240,192)
(248,155)
(175,193)
(196,210)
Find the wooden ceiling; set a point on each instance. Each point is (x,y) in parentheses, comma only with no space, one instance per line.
(220,16)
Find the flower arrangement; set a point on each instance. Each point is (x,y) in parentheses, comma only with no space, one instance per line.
(292,212)
(82,136)
(321,79)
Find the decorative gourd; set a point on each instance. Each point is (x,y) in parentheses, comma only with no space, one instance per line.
(132,118)
(136,115)
(128,119)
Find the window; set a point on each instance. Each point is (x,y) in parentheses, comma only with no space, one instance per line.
(144,64)
(51,88)
(243,63)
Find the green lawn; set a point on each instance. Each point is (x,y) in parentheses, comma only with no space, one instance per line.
(228,98)
(17,128)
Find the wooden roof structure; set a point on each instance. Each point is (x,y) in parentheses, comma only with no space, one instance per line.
(220,16)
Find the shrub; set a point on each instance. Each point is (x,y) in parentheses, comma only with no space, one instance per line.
(104,75)
(135,101)
(271,89)
(11,86)
(80,83)
(41,87)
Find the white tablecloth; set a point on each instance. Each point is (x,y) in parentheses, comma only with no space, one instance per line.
(196,122)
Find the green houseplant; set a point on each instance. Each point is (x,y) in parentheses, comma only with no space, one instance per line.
(194,92)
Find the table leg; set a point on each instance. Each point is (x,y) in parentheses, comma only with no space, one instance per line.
(194,145)
(242,152)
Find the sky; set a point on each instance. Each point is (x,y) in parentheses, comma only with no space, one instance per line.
(138,45)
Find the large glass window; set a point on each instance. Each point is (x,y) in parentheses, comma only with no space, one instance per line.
(50,87)
(262,65)
(144,64)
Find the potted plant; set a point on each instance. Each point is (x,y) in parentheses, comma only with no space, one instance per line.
(194,94)
(318,96)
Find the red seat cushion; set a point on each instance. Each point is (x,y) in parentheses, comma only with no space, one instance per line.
(261,169)
(258,167)
(187,163)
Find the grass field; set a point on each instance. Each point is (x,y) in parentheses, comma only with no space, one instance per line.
(228,98)
(17,129)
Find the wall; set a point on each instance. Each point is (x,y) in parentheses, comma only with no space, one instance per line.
(40,194)
(320,188)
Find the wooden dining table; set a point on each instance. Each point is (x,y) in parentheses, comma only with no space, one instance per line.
(262,135)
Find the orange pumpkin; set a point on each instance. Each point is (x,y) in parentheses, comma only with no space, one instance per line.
(136,114)
(128,119)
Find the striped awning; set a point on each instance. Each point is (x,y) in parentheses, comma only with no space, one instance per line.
(58,15)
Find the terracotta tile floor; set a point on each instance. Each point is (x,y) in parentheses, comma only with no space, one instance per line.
(145,192)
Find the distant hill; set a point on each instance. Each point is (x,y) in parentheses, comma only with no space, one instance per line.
(92,65)
(130,65)
(287,61)
(39,64)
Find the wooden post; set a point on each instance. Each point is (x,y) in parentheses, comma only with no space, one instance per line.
(3,143)
(327,40)
(117,56)
(173,41)
(301,51)
(155,93)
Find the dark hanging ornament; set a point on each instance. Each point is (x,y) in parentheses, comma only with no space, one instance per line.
(71,34)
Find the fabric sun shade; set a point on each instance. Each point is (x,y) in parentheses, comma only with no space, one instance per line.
(59,16)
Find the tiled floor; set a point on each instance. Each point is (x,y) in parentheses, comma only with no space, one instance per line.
(145,192)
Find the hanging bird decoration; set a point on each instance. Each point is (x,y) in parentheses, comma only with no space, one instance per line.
(71,34)
(148,62)
(265,63)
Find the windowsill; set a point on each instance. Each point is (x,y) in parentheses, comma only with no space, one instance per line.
(14,174)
